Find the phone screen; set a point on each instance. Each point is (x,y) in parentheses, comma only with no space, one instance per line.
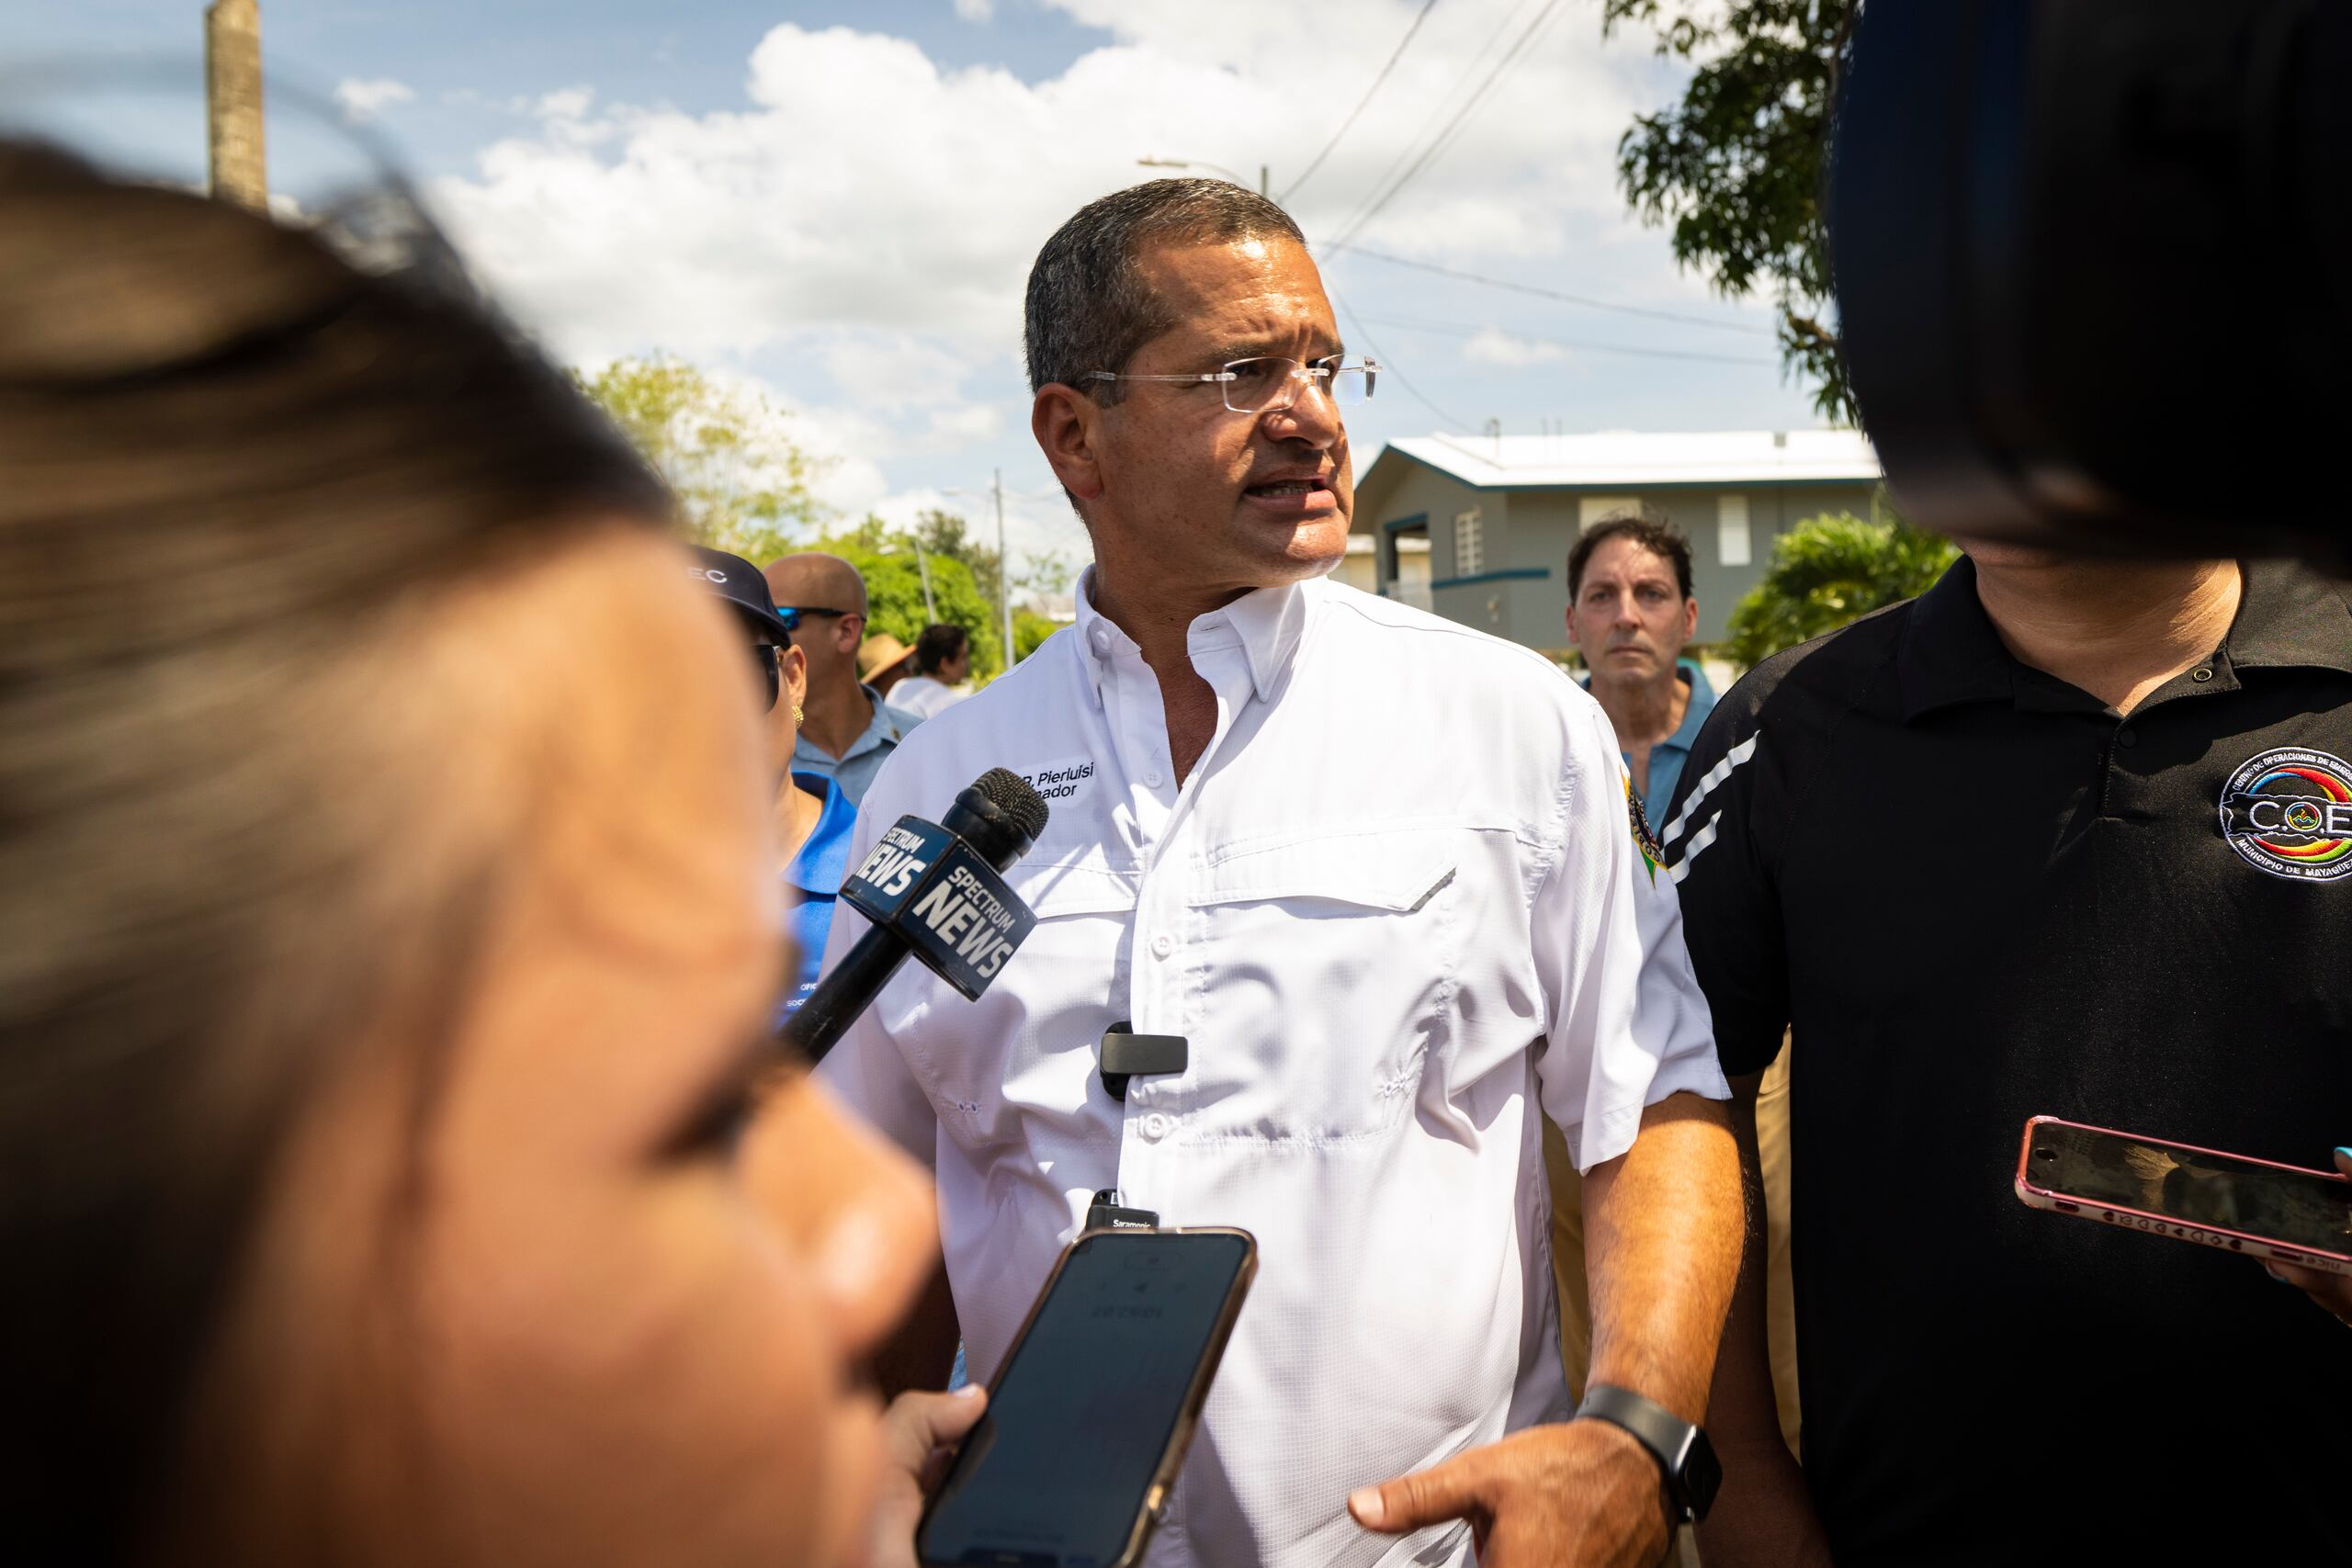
(2305,1209)
(1057,1471)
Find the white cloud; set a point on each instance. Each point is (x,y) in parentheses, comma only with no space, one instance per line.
(1490,347)
(976,10)
(366,98)
(864,185)
(858,232)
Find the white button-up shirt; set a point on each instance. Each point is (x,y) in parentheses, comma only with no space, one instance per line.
(1398,895)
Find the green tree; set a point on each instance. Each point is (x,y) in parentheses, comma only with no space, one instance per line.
(742,484)
(1029,629)
(1735,168)
(1825,572)
(946,533)
(894,602)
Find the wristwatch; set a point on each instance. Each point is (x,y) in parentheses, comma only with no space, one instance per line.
(1685,1457)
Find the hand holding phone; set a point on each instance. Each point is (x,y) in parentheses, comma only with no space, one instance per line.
(1091,1413)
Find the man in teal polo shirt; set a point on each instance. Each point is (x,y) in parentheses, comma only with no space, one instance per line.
(1631,613)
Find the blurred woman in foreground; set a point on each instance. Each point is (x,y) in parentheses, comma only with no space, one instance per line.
(388,940)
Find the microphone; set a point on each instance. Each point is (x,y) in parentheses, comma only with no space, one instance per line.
(932,889)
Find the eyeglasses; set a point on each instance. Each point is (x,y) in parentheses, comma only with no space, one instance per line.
(1271,383)
(790,614)
(768,658)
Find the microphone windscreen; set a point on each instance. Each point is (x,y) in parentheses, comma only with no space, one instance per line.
(1011,793)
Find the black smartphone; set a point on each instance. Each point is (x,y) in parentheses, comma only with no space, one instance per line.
(2232,1201)
(1090,1414)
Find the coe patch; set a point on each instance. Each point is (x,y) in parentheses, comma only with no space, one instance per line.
(1643,841)
(2289,812)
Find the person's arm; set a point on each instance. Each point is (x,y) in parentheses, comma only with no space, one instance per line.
(1720,839)
(1764,1514)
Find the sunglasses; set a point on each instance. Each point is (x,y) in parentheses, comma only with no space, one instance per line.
(790,614)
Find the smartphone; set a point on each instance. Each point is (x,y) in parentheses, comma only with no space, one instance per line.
(2253,1206)
(1091,1413)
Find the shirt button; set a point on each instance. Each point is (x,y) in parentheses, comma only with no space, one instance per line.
(1162,945)
(1152,778)
(1101,640)
(2201,676)
(1154,1127)
(2127,736)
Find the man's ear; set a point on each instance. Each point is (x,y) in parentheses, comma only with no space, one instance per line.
(1067,426)
(793,667)
(849,631)
(1690,618)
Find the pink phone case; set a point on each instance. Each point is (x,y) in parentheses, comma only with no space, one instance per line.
(2162,1224)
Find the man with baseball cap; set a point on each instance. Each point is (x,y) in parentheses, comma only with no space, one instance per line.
(848,730)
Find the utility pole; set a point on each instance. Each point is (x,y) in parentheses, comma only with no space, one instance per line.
(1004,570)
(1265,181)
(922,566)
(233,103)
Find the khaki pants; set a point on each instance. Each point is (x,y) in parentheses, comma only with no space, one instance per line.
(1780,1297)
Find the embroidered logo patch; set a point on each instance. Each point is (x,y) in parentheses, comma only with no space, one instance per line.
(1651,855)
(2289,812)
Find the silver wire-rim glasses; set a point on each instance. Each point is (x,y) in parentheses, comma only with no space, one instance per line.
(1270,384)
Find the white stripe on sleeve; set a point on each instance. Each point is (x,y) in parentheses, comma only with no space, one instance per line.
(1715,776)
(1699,842)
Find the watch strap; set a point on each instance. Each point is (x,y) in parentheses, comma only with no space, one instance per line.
(1686,1460)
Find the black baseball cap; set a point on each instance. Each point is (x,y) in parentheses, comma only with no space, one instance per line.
(739,582)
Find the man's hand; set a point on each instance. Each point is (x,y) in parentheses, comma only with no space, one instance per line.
(2332,1291)
(1584,1494)
(916,1430)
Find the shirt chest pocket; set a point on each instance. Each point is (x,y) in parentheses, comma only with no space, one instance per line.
(1322,973)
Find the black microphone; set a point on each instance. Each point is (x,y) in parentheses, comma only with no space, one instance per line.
(932,889)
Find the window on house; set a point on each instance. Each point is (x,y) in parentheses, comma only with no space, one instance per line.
(1733,547)
(1592,509)
(1469,543)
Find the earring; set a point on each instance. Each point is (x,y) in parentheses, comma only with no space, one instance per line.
(797,715)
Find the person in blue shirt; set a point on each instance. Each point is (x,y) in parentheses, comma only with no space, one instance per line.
(1631,614)
(812,817)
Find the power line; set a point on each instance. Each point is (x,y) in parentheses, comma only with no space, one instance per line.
(1462,328)
(1388,368)
(1420,16)
(1454,127)
(1583,299)
(1422,135)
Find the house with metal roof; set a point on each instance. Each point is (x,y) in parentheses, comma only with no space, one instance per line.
(1477,528)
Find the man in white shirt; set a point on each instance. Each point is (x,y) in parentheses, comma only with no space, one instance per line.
(943,661)
(1379,870)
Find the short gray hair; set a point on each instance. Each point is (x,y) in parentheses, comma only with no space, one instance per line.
(1089,308)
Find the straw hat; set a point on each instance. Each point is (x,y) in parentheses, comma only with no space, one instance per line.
(878,653)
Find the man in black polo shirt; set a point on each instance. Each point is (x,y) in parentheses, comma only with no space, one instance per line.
(1989,853)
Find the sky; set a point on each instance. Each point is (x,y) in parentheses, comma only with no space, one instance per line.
(834,205)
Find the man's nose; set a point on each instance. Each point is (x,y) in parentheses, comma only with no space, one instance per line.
(1312,417)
